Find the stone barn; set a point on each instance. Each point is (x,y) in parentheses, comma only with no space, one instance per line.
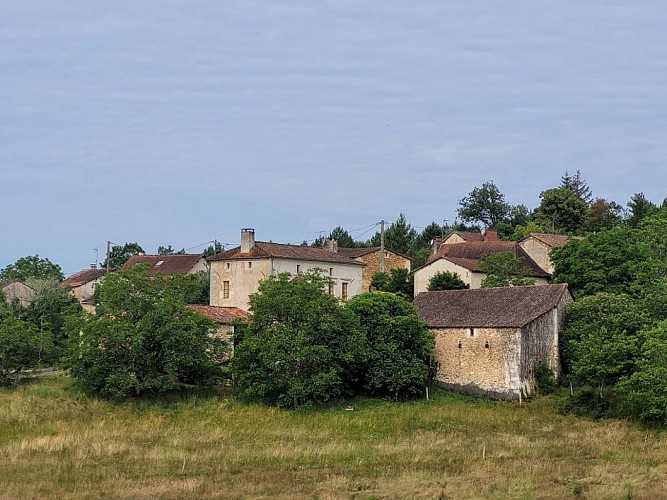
(489,341)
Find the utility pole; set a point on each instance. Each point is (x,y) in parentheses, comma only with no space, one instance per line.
(381,245)
(108,252)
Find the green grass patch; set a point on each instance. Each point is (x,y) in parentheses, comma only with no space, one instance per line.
(60,443)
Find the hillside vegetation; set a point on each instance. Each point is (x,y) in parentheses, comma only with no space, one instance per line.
(56,442)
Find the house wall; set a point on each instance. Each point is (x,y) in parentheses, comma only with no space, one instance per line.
(85,291)
(18,290)
(539,252)
(244,278)
(200,267)
(487,363)
(423,275)
(453,238)
(372,260)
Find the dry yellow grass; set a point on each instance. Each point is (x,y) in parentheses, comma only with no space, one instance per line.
(58,443)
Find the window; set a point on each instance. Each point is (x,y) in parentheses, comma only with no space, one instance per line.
(331,271)
(227,265)
(249,265)
(159,263)
(471,331)
(343,294)
(331,288)
(225,289)
(298,269)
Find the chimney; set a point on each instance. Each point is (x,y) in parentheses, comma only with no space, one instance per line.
(436,243)
(247,239)
(331,245)
(491,235)
(93,266)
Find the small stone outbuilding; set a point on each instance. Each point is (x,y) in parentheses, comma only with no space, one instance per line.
(371,257)
(82,284)
(224,317)
(489,341)
(16,290)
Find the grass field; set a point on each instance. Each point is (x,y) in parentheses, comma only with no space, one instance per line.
(56,442)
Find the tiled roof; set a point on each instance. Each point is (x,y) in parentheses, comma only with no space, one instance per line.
(355,253)
(170,264)
(552,240)
(222,315)
(469,254)
(508,307)
(262,249)
(469,236)
(85,276)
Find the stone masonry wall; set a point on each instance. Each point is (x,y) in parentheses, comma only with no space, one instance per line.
(372,261)
(482,361)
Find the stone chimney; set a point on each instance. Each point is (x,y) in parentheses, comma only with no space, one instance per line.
(247,239)
(491,235)
(331,245)
(436,243)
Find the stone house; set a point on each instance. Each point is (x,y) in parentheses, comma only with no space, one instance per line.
(463,259)
(224,317)
(236,273)
(489,341)
(371,257)
(539,246)
(82,284)
(16,290)
(170,264)
(468,236)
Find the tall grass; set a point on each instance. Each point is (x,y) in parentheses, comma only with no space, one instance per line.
(58,443)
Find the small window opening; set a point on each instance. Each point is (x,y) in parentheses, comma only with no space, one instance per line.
(486,345)
(298,269)
(331,271)
(249,264)
(227,265)
(460,345)
(471,331)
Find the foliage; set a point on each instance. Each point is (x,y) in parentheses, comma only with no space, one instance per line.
(342,237)
(446,280)
(398,281)
(561,211)
(587,402)
(614,261)
(599,337)
(300,346)
(645,390)
(522,231)
(143,338)
(399,236)
(21,346)
(603,214)
(119,255)
(32,266)
(577,185)
(168,250)
(544,378)
(504,269)
(400,358)
(639,208)
(653,231)
(50,313)
(214,249)
(484,204)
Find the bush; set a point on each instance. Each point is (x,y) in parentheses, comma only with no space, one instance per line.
(143,339)
(544,379)
(400,360)
(21,346)
(446,280)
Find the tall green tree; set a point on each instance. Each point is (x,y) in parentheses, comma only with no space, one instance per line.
(639,208)
(300,346)
(504,269)
(578,186)
(119,255)
(22,346)
(614,261)
(603,214)
(399,236)
(32,267)
(561,211)
(143,339)
(400,360)
(446,280)
(342,237)
(485,204)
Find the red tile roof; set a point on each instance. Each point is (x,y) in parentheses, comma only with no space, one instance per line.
(469,254)
(552,240)
(222,315)
(263,249)
(170,264)
(85,276)
(355,253)
(509,307)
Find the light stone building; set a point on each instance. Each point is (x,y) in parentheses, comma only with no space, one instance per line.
(490,341)
(371,257)
(463,259)
(540,245)
(16,290)
(82,284)
(236,273)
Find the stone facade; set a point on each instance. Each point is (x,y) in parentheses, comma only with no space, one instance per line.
(495,361)
(371,258)
(15,290)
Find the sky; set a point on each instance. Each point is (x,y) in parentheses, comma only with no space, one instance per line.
(180,122)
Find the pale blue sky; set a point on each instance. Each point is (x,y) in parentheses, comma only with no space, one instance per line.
(180,122)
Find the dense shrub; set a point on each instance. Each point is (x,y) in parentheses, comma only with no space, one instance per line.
(446,280)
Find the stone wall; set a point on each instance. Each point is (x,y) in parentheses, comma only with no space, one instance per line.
(372,260)
(483,361)
(539,252)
